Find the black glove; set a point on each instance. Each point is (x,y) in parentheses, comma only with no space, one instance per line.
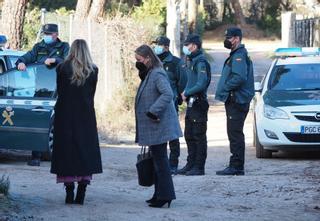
(152,116)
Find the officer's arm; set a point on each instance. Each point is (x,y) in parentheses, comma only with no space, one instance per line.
(29,57)
(182,77)
(166,95)
(239,73)
(65,52)
(202,80)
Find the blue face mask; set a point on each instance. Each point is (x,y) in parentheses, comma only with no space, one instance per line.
(186,50)
(48,39)
(158,50)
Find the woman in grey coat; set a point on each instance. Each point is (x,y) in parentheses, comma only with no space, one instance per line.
(156,121)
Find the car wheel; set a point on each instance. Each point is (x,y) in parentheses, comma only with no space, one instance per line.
(260,151)
(47,155)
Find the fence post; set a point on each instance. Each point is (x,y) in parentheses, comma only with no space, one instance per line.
(287,29)
(316,38)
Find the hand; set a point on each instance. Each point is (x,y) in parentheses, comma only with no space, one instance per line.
(152,116)
(50,61)
(22,67)
(184,98)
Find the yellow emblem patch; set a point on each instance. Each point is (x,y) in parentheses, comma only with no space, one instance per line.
(7,114)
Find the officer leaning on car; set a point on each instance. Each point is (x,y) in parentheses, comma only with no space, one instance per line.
(174,68)
(50,51)
(236,89)
(195,93)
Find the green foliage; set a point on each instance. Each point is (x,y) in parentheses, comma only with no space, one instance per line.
(4,185)
(113,7)
(270,21)
(53,5)
(31,27)
(152,14)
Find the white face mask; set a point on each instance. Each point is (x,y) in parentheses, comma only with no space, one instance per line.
(186,50)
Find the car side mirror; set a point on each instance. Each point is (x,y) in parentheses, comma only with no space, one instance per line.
(257,87)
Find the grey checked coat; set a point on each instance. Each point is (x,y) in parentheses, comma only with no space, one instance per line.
(155,95)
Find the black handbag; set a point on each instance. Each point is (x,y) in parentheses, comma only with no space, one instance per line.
(145,167)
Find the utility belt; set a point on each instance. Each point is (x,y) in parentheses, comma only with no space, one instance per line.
(194,99)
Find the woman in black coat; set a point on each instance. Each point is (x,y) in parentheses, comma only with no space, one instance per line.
(76,152)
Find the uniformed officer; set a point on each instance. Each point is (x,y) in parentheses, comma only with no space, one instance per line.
(195,93)
(50,51)
(178,79)
(236,89)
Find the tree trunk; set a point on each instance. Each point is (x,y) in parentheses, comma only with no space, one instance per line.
(82,9)
(97,9)
(13,12)
(173,26)
(192,15)
(238,12)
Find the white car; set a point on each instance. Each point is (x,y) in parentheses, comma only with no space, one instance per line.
(287,103)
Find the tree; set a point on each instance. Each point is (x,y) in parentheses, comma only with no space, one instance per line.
(82,9)
(192,15)
(97,9)
(13,12)
(238,12)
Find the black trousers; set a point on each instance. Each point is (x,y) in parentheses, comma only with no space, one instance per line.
(174,152)
(163,187)
(236,115)
(196,137)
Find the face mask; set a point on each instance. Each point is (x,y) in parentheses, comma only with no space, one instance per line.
(186,50)
(227,44)
(48,39)
(158,50)
(143,70)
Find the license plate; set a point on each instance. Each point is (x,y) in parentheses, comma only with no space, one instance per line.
(310,129)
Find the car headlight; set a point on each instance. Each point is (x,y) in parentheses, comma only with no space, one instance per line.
(274,113)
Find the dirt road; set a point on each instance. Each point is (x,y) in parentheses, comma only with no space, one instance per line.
(283,188)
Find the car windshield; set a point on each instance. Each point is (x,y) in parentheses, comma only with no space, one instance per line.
(295,77)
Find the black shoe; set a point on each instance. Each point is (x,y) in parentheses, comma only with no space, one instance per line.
(34,162)
(160,203)
(184,170)
(69,194)
(152,200)
(230,171)
(81,192)
(173,170)
(195,172)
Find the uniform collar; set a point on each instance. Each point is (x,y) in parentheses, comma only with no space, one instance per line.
(166,56)
(195,54)
(238,48)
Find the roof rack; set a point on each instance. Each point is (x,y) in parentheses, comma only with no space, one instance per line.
(297,52)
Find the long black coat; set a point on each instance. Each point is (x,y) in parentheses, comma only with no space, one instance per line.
(76,149)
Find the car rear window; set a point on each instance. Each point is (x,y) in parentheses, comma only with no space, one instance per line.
(295,77)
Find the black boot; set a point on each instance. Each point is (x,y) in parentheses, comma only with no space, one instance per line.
(81,192)
(185,169)
(195,171)
(69,193)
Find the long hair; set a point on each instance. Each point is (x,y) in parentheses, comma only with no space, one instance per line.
(146,52)
(81,62)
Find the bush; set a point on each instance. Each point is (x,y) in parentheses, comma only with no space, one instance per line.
(4,185)
(32,25)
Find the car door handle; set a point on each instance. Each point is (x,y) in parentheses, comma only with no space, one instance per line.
(40,109)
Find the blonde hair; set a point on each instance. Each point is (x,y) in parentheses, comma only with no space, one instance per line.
(81,62)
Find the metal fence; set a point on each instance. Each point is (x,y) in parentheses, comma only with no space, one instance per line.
(307,32)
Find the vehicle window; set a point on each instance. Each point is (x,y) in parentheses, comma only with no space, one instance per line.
(295,77)
(2,66)
(13,60)
(36,81)
(3,84)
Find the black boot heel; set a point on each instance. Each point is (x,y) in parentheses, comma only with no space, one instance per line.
(160,203)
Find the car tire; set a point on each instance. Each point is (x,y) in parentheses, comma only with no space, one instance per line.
(46,156)
(260,151)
